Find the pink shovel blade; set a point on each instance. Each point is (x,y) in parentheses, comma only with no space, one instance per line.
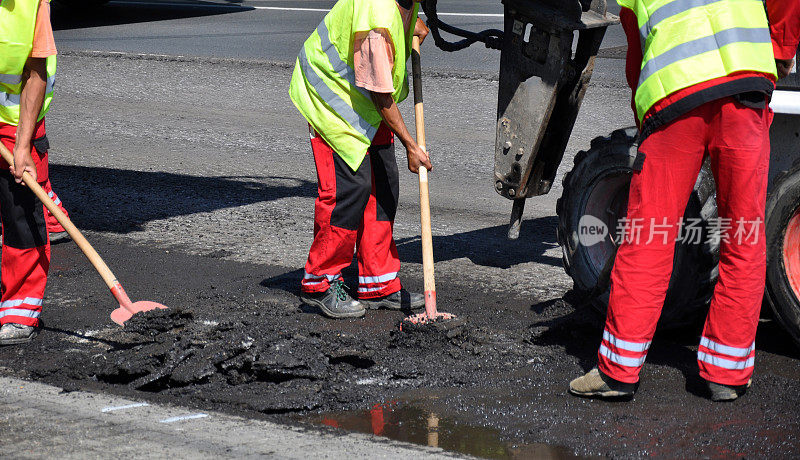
(124,313)
(127,308)
(423,318)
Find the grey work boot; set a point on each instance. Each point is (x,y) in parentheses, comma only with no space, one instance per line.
(335,302)
(595,384)
(59,237)
(400,300)
(721,393)
(13,334)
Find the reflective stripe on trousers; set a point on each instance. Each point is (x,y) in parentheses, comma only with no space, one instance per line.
(623,352)
(724,356)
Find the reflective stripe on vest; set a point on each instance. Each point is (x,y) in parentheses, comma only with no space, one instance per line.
(323,86)
(10,79)
(703,45)
(339,105)
(17,25)
(345,71)
(687,42)
(667,11)
(10,100)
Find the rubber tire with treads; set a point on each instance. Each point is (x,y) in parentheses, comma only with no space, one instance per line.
(695,265)
(782,204)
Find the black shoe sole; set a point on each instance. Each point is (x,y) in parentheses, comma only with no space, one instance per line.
(59,237)
(611,395)
(378,304)
(329,313)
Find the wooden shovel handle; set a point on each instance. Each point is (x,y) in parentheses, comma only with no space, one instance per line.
(72,230)
(424,198)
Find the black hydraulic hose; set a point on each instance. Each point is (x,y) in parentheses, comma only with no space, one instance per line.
(492,38)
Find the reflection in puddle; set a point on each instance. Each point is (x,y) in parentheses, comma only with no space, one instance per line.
(406,423)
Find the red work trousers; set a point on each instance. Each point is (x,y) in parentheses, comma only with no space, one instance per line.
(355,210)
(52,223)
(736,140)
(26,248)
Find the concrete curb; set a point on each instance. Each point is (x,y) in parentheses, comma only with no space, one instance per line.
(38,420)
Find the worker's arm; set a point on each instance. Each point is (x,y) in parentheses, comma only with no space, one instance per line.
(784,27)
(34,83)
(394,120)
(421,30)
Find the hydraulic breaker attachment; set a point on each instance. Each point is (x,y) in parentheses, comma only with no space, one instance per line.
(544,73)
(542,83)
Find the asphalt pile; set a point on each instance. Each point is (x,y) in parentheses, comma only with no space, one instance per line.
(268,367)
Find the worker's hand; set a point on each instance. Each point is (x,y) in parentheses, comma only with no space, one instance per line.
(416,157)
(23,162)
(421,30)
(784,67)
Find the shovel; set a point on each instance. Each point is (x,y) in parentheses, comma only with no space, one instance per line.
(126,308)
(431,313)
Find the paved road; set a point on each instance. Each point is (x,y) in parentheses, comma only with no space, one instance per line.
(254,29)
(40,421)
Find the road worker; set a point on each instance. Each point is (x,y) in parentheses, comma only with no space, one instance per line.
(347,81)
(27,71)
(702,73)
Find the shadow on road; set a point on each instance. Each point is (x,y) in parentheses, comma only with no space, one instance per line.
(121,201)
(489,247)
(486,247)
(129,12)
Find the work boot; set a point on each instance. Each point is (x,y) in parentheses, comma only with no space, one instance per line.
(13,334)
(335,302)
(400,300)
(58,237)
(721,393)
(595,384)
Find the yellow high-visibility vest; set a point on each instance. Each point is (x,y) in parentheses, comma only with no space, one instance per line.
(323,83)
(17,24)
(686,42)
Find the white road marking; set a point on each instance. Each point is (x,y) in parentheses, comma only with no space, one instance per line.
(183,417)
(127,406)
(286,8)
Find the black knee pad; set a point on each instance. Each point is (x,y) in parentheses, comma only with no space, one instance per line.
(352,193)
(387,181)
(22,215)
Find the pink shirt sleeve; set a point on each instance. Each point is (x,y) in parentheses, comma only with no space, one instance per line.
(43,43)
(373,62)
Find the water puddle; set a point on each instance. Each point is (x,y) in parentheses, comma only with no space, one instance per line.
(406,423)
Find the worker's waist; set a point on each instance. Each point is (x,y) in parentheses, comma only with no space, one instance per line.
(7,130)
(681,102)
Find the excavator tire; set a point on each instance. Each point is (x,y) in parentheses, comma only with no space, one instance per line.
(783,251)
(598,186)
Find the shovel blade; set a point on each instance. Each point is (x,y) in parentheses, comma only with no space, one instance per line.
(124,313)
